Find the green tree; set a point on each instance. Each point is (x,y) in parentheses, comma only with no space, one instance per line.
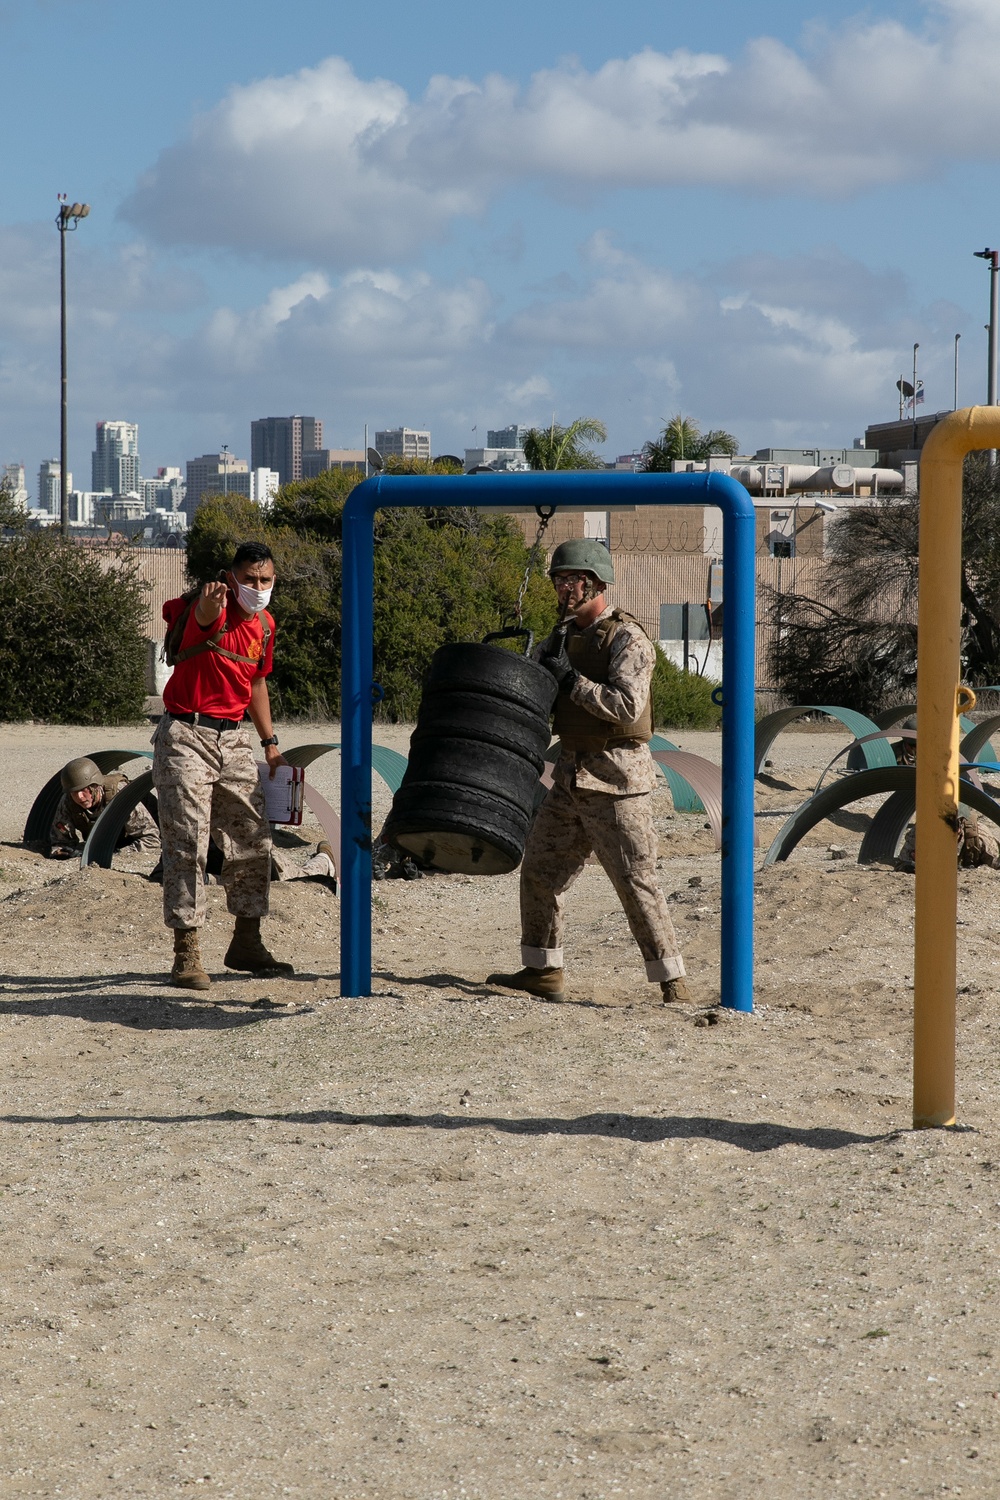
(682,438)
(558,447)
(73,648)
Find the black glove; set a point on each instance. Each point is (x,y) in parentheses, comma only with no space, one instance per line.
(561,667)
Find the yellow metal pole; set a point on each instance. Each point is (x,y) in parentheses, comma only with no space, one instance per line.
(938,707)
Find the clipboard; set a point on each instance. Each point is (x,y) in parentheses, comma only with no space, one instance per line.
(282,792)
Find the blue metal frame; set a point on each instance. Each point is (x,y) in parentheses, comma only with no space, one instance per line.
(579,488)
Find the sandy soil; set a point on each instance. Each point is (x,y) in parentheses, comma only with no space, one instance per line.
(450,1242)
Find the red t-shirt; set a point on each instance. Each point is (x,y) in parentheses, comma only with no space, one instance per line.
(210,683)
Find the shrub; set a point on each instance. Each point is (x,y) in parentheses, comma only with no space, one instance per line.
(73,648)
(682,700)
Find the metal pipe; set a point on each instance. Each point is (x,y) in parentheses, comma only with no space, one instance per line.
(939,696)
(739,541)
(804,477)
(593,491)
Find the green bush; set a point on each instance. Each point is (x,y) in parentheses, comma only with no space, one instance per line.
(73,647)
(682,700)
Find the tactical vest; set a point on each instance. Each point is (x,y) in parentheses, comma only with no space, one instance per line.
(590,653)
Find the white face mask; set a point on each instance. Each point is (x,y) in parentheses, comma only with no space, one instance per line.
(253,600)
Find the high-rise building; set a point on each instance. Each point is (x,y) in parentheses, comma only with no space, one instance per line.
(507,437)
(279,442)
(214,474)
(115,461)
(49,497)
(403,442)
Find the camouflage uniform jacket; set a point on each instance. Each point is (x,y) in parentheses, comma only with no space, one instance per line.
(624,770)
(72,823)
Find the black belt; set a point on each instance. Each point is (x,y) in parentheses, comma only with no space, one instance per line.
(203,721)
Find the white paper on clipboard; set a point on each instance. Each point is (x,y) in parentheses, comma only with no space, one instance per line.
(282,792)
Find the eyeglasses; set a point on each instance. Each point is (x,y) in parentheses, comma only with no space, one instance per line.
(558,579)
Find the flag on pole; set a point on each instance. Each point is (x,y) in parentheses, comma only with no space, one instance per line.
(913,399)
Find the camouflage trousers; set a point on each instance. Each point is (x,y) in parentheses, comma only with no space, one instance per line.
(207,782)
(569,826)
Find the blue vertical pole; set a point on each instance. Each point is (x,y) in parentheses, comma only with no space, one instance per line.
(357,630)
(739,548)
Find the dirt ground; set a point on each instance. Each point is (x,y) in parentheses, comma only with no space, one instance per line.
(448,1243)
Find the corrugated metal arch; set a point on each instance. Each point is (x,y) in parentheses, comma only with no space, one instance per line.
(831,799)
(876,753)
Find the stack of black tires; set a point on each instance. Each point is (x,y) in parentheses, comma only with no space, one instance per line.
(470,788)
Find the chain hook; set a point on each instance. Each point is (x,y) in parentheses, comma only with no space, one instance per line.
(544,514)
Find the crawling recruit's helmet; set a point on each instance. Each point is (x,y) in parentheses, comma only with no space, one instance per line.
(583,555)
(80,773)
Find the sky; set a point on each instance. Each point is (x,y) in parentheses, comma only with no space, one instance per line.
(452,218)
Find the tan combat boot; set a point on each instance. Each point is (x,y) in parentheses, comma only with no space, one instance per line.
(247,951)
(547,984)
(187,972)
(676,992)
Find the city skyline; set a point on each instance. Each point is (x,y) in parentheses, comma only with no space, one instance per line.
(712,211)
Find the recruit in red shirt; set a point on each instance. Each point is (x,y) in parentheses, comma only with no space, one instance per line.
(210,683)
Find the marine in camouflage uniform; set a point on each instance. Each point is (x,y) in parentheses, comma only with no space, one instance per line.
(600,798)
(974,847)
(73,819)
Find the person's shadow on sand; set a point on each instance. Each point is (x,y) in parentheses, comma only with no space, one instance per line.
(752,1136)
(88,998)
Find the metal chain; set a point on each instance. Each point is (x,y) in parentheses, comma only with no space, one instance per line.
(544,514)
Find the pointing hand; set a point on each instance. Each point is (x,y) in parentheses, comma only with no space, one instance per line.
(215,594)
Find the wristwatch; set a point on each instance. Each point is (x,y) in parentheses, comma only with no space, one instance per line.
(271,740)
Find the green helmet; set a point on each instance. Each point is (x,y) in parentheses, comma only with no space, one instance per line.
(583,555)
(80,773)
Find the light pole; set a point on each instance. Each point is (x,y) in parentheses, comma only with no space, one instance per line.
(914,396)
(957,337)
(993,256)
(224,455)
(67,219)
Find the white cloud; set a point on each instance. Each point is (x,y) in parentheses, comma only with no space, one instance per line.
(807,347)
(810,342)
(289,165)
(324,165)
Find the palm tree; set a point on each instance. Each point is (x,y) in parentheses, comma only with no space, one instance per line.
(682,438)
(561,447)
